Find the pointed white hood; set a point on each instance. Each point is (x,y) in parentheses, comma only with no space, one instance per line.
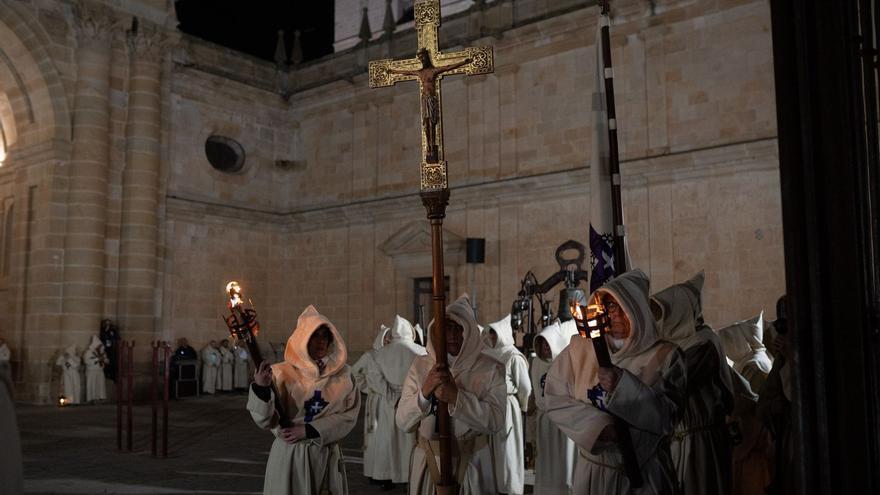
(297,353)
(395,358)
(679,309)
(379,341)
(631,292)
(462,313)
(743,344)
(504,349)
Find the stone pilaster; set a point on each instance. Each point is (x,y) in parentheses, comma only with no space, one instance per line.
(84,252)
(140,182)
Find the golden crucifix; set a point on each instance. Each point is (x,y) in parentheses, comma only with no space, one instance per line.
(428,67)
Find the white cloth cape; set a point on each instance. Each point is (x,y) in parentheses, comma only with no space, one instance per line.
(392,446)
(649,396)
(508,443)
(556,454)
(95,359)
(240,371)
(210,369)
(328,401)
(359,372)
(701,447)
(478,412)
(71,380)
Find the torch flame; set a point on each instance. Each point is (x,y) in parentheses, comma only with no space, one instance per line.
(234,291)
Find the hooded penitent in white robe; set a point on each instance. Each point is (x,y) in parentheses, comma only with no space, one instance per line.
(326,401)
(649,396)
(508,442)
(210,369)
(752,452)
(556,454)
(701,447)
(71,382)
(392,446)
(240,370)
(744,347)
(95,359)
(359,371)
(226,360)
(746,354)
(477,413)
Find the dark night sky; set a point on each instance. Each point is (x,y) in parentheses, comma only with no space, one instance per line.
(251,26)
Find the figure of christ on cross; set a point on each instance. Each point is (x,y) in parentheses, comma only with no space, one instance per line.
(430,101)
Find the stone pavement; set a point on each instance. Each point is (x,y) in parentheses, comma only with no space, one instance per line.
(214,447)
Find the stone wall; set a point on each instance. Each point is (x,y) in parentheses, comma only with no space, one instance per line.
(338,222)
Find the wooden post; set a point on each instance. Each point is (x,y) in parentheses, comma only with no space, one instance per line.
(435,203)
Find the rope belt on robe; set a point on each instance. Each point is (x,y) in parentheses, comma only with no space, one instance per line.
(678,436)
(463,449)
(619,467)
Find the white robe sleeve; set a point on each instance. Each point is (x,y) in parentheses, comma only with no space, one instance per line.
(334,427)
(263,412)
(568,410)
(519,375)
(483,410)
(654,408)
(409,414)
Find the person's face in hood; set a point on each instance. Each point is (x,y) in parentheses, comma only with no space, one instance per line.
(454,337)
(543,348)
(213,344)
(621,328)
(224,343)
(387,338)
(493,337)
(319,343)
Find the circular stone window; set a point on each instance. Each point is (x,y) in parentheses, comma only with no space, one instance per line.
(225,154)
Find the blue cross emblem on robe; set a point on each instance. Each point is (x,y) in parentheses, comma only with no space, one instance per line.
(314,406)
(597,396)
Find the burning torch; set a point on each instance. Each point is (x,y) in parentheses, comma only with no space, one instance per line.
(243,326)
(593,326)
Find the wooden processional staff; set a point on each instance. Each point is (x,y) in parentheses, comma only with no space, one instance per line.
(428,67)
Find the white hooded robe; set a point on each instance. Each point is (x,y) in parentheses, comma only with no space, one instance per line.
(649,397)
(701,447)
(746,354)
(556,454)
(508,443)
(359,372)
(477,413)
(240,371)
(210,367)
(95,359)
(71,381)
(327,401)
(226,360)
(392,446)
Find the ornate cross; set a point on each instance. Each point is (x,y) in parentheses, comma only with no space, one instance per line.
(428,67)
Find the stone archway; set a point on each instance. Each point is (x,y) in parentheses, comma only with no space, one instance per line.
(36,123)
